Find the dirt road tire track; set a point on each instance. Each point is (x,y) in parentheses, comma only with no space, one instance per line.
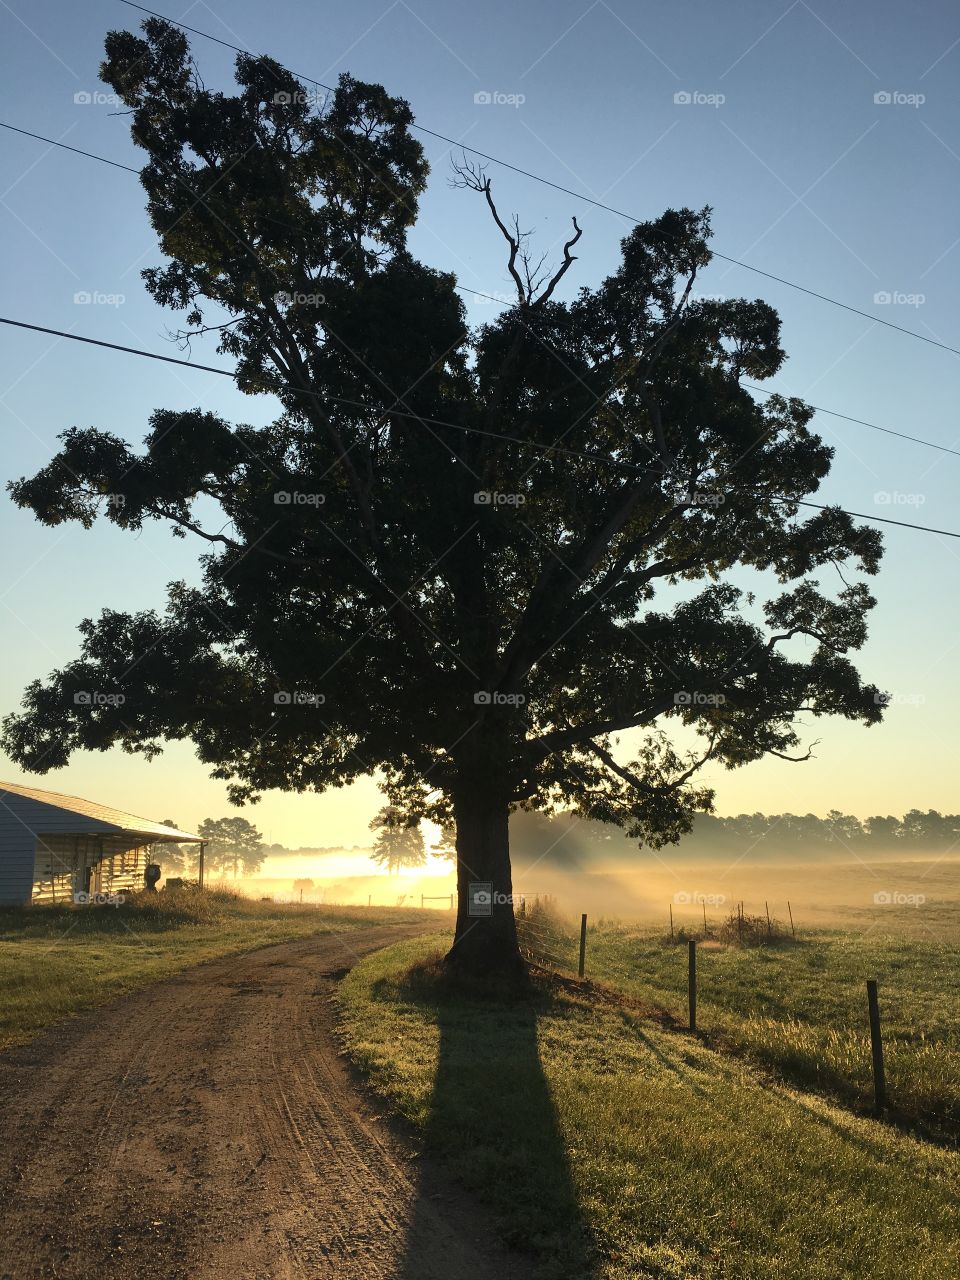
(206,1128)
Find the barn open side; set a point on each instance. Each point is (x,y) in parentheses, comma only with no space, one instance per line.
(53,846)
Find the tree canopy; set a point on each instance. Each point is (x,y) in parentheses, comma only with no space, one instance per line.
(233,844)
(461,558)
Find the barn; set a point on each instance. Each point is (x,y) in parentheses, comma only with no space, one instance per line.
(54,846)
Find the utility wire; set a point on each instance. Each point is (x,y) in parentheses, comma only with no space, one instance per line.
(535,177)
(462,288)
(604,459)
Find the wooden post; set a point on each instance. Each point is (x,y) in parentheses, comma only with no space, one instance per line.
(421,902)
(523,906)
(740,921)
(369,896)
(876,1045)
(451,902)
(704,917)
(671,921)
(769,929)
(792,929)
(692,982)
(301,897)
(203,850)
(583,945)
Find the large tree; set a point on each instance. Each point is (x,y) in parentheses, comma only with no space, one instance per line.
(232,844)
(462,558)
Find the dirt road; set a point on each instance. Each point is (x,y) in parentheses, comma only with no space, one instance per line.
(206,1129)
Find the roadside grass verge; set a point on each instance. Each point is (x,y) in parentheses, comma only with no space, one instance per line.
(58,960)
(610,1147)
(800,1007)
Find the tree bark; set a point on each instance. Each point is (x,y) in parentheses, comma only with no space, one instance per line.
(485,941)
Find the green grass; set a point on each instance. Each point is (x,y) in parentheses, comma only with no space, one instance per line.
(611,1147)
(801,1009)
(57,960)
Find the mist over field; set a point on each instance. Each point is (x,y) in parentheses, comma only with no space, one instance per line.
(588,868)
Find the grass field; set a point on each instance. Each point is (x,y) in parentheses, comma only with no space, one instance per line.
(611,1146)
(57,960)
(800,1007)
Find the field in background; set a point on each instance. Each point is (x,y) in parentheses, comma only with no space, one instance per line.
(799,1006)
(57,960)
(612,1147)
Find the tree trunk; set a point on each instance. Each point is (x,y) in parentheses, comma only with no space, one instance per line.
(486,935)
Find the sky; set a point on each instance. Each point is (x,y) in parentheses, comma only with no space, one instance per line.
(825,139)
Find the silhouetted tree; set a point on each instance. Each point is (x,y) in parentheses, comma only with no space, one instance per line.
(399,841)
(232,844)
(451,557)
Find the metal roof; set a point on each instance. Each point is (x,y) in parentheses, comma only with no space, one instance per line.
(102,815)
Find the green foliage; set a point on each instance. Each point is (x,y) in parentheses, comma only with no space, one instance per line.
(370,603)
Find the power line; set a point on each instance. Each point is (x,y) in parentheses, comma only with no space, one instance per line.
(604,459)
(462,288)
(547,182)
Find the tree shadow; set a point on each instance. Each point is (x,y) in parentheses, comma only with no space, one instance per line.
(493,1130)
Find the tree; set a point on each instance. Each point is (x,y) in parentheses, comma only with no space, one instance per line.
(466,559)
(302,886)
(399,842)
(172,858)
(232,843)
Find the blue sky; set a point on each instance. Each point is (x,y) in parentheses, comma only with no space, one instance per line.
(810,177)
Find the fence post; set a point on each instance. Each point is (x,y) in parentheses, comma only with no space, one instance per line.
(876,1045)
(369,896)
(421,902)
(671,921)
(692,982)
(792,929)
(704,917)
(451,902)
(769,928)
(583,945)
